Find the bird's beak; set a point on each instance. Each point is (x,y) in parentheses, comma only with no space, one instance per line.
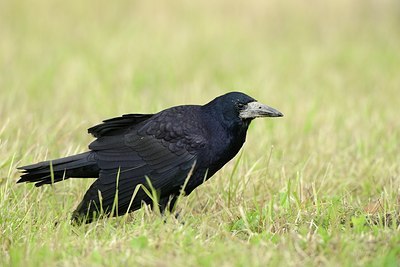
(256,110)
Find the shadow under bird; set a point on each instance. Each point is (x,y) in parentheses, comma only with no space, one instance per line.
(168,152)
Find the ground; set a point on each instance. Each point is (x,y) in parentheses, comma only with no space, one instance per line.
(319,186)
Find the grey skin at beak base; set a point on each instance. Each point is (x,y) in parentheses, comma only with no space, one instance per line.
(257,110)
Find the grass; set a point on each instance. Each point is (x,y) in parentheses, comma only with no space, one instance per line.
(317,187)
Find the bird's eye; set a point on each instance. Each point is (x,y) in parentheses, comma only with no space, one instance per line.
(240,105)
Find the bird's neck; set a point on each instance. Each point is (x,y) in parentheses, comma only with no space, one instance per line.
(226,141)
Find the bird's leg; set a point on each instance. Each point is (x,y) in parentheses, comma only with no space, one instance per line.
(168,203)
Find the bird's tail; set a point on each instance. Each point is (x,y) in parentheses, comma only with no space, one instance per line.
(47,172)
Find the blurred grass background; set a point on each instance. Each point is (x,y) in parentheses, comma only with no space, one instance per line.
(304,183)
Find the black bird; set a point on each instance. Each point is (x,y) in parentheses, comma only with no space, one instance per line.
(167,152)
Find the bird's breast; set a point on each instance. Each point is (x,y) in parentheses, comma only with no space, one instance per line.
(224,147)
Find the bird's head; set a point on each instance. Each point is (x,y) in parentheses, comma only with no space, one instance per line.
(236,106)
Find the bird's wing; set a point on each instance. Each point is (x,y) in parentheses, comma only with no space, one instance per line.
(115,125)
(163,149)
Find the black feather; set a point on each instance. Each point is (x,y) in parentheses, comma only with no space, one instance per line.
(81,165)
(116,125)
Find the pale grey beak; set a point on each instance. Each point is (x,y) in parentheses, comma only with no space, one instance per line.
(256,110)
